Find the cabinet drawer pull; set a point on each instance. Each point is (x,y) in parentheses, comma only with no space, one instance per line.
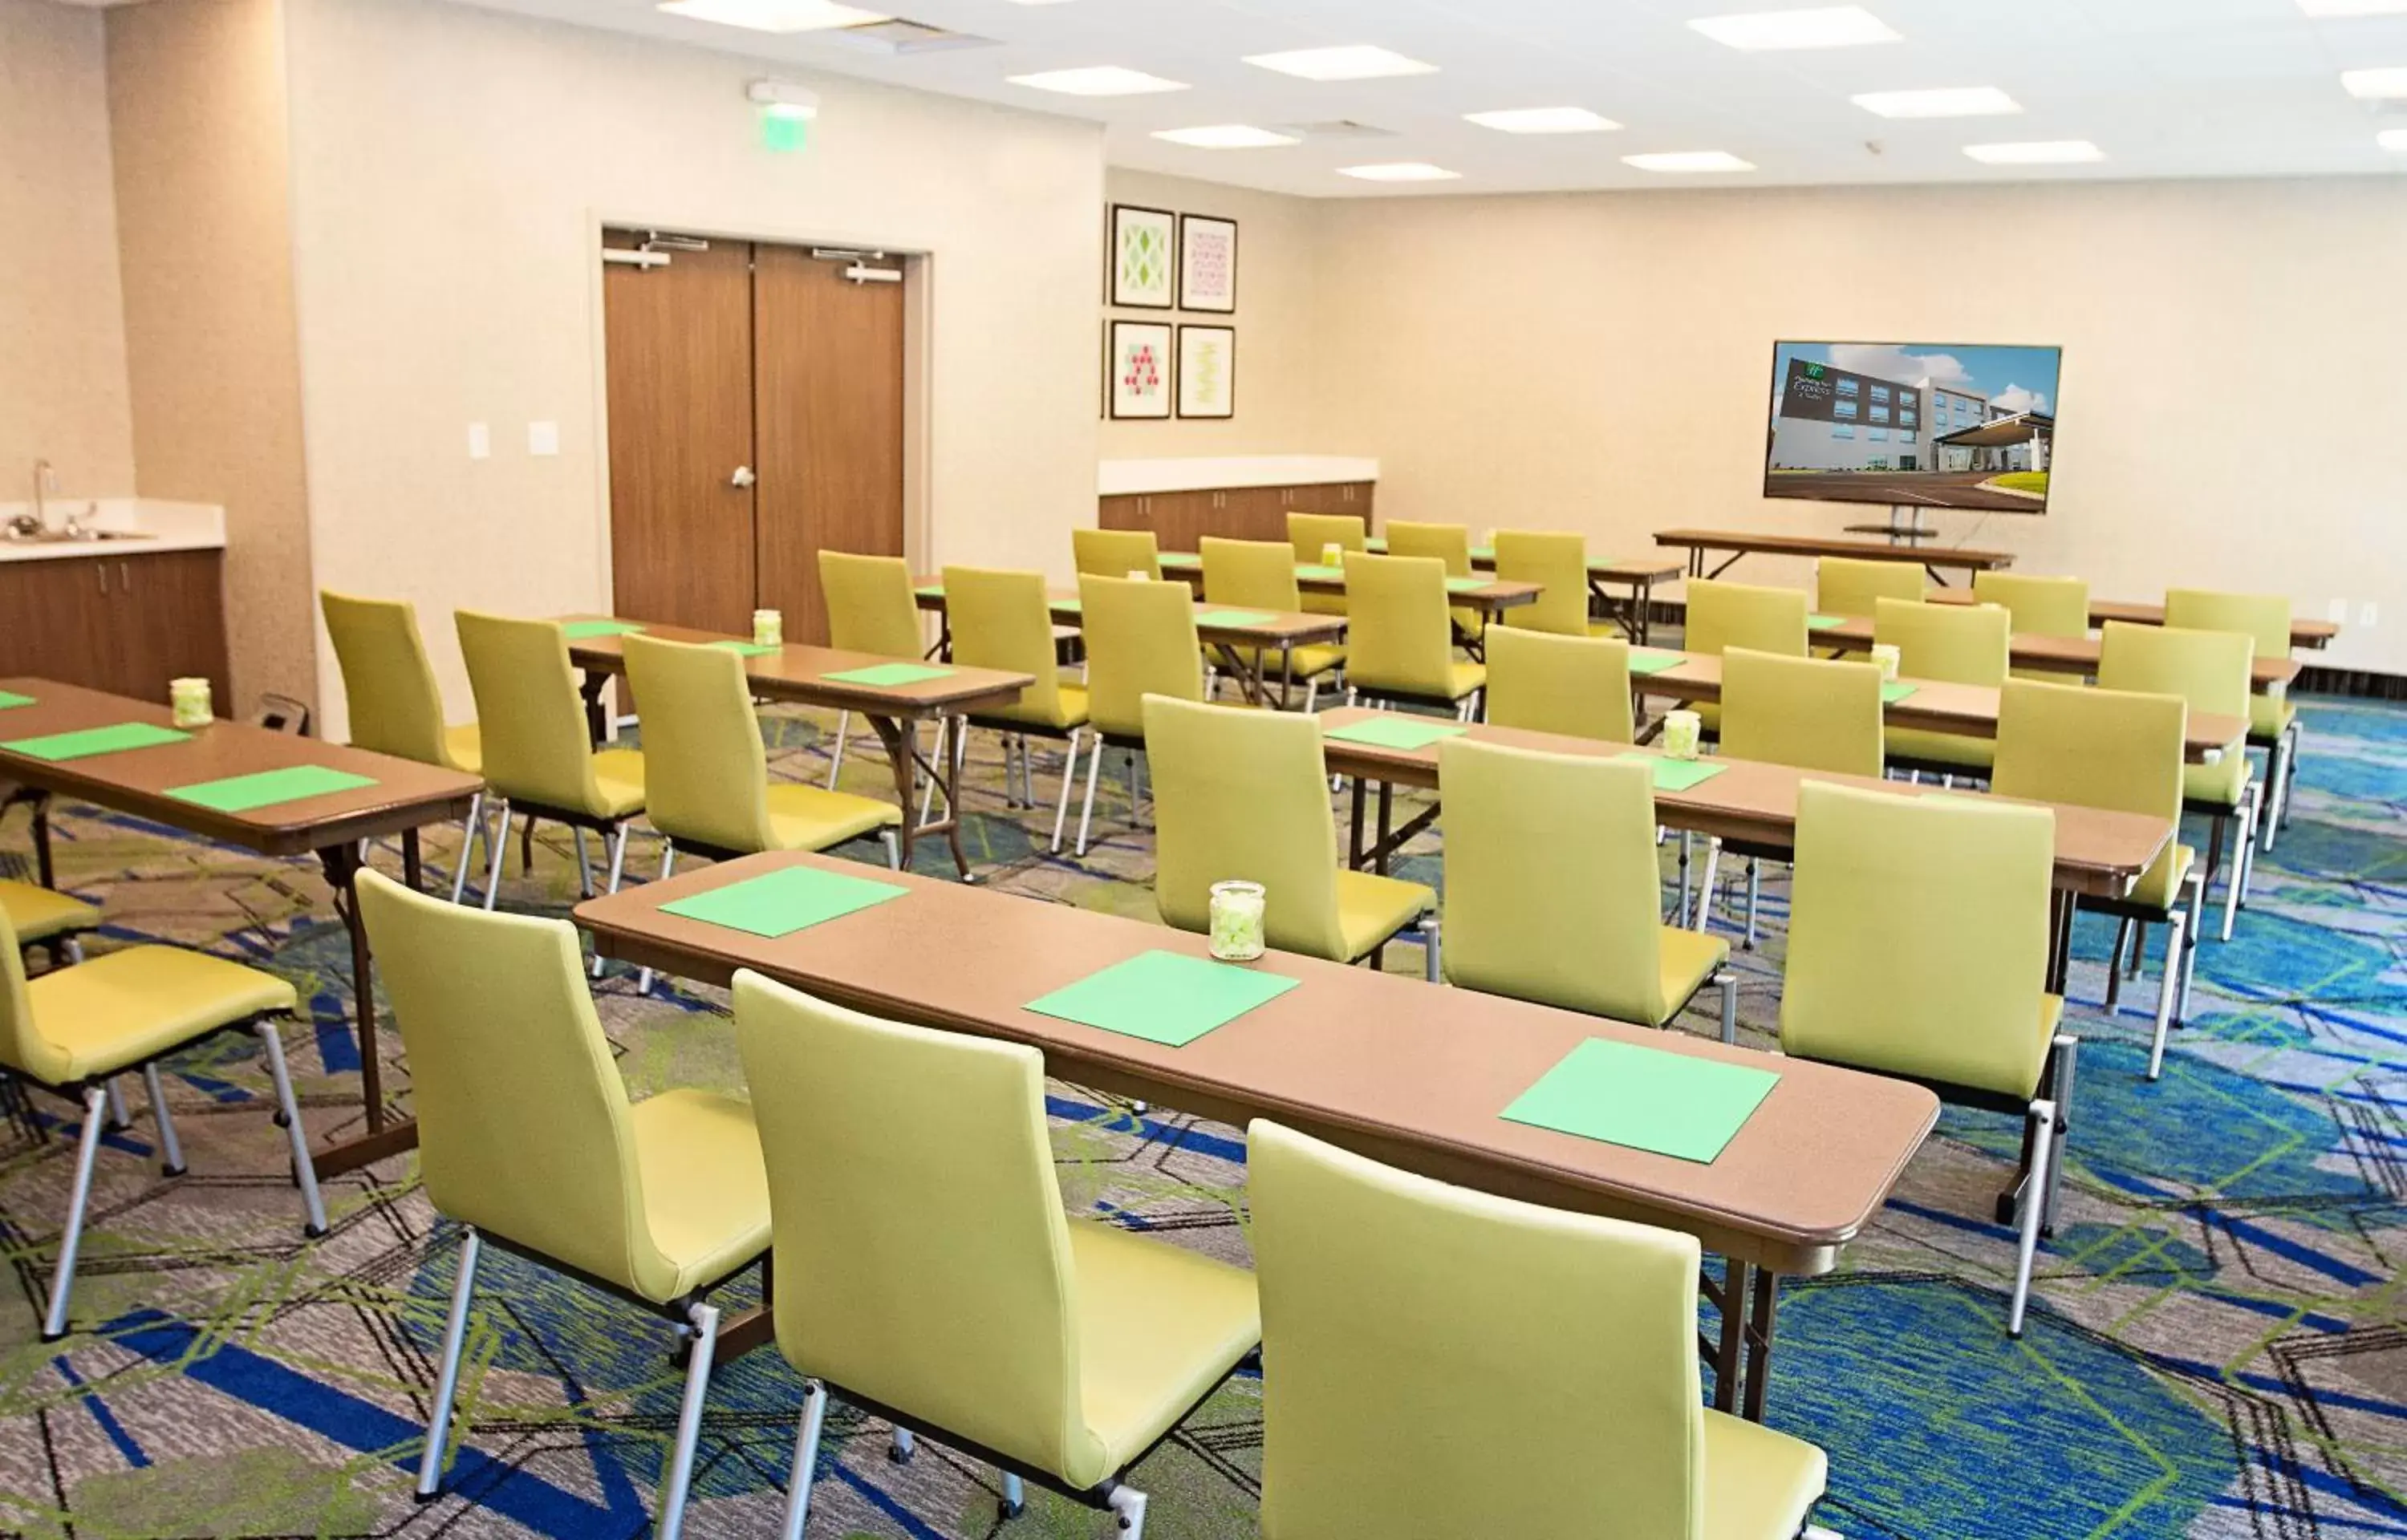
(102,566)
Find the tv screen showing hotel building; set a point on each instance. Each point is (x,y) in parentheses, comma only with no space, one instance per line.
(1912,425)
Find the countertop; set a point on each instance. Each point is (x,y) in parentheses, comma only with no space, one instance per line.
(154,527)
(1140,477)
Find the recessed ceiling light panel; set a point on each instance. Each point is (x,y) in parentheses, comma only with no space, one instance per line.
(2037,153)
(1823,27)
(2393,140)
(1542,120)
(1946,102)
(1355,62)
(1401,171)
(2375,85)
(773,15)
(1098,80)
(1689,161)
(1227,136)
(2354,8)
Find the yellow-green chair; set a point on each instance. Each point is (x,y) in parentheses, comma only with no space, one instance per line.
(1004,620)
(395,706)
(2082,747)
(1259,575)
(1441,1363)
(42,916)
(1809,714)
(526,1139)
(1059,1351)
(73,1030)
(1450,543)
(1399,637)
(1140,642)
(1553,892)
(2212,671)
(1918,936)
(1310,535)
(2040,606)
(1722,614)
(2273,716)
(538,759)
(1116,553)
(1575,685)
(1244,796)
(1954,644)
(871,609)
(1845,586)
(1557,564)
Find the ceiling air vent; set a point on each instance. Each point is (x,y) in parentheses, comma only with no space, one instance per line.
(1335,128)
(899,37)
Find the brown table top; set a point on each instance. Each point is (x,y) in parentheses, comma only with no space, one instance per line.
(799,673)
(2303,631)
(2097,852)
(407,794)
(1399,1071)
(1490,597)
(1864,550)
(1936,705)
(1605,568)
(1293,629)
(2074,654)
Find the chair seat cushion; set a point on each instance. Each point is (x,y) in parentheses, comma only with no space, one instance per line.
(1942,748)
(467,747)
(1158,1327)
(98,1017)
(811,818)
(705,1190)
(1371,909)
(1687,959)
(619,776)
(2161,885)
(1312,662)
(1069,711)
(37,914)
(1759,1485)
(2270,716)
(2219,785)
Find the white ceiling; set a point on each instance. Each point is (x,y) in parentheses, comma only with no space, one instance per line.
(2166,88)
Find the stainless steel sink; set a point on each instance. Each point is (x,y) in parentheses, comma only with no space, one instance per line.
(85,537)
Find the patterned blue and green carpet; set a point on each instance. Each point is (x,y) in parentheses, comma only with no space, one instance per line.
(2218,1346)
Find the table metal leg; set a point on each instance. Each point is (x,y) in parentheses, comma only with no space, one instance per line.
(1387,826)
(597,721)
(901,742)
(413,861)
(1354,849)
(385,1137)
(42,860)
(1758,1337)
(1729,1360)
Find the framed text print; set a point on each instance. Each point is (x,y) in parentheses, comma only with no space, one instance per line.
(1208,372)
(1138,356)
(1142,258)
(1207,264)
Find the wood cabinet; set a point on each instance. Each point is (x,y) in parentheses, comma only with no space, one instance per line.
(1179,519)
(117,621)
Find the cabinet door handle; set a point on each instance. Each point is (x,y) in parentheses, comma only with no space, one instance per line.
(103,568)
(125,577)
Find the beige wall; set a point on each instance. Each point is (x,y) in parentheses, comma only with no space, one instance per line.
(1278,290)
(452,169)
(197,104)
(2233,388)
(61,332)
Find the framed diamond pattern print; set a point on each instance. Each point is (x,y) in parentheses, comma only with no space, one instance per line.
(1207,264)
(1208,372)
(1143,256)
(1138,360)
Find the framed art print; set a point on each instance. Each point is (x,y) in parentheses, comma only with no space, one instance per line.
(1208,372)
(1143,258)
(1207,264)
(1139,357)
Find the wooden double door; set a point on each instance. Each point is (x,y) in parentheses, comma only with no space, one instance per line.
(756,418)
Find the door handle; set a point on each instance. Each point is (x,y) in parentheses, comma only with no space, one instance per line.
(743,477)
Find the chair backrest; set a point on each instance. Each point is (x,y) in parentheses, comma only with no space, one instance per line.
(2210,669)
(1399,636)
(1244,796)
(871,607)
(1311,534)
(1140,642)
(529,716)
(522,1124)
(1258,574)
(706,772)
(1558,564)
(22,1047)
(2265,618)
(1563,911)
(1001,620)
(1959,644)
(965,1317)
(395,706)
(1744,614)
(2095,748)
(1808,713)
(1428,1349)
(1918,936)
(1577,686)
(1845,586)
(1448,542)
(1116,553)
(2041,606)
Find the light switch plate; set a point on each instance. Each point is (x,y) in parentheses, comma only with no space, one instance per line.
(543,438)
(480,442)
(2367,614)
(2337,612)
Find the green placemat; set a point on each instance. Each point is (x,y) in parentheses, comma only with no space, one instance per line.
(1464,585)
(1646,660)
(1162,998)
(1396,732)
(577,630)
(1316,573)
(784,902)
(92,741)
(1645,1098)
(9,699)
(887,675)
(932,590)
(266,788)
(1483,553)
(1180,560)
(1892,694)
(1825,622)
(745,649)
(1076,606)
(1680,774)
(1235,618)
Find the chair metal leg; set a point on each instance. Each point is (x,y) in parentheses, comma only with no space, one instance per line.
(894,842)
(1094,775)
(2115,965)
(928,797)
(171,1152)
(468,827)
(671,1522)
(903,1448)
(1433,962)
(1729,984)
(1754,897)
(668,865)
(2256,807)
(2168,988)
(54,1321)
(584,864)
(1070,779)
(2233,873)
(2276,759)
(2196,928)
(75,949)
(305,1170)
(2068,1048)
(1705,888)
(501,846)
(1014,1499)
(843,731)
(120,1120)
(618,875)
(1311,695)
(1680,913)
(2298,735)
(446,1379)
(2043,1148)
(806,1460)
(1128,1506)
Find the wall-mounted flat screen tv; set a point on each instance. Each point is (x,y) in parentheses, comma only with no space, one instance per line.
(1914,425)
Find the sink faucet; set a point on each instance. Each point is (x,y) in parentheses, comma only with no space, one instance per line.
(45,481)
